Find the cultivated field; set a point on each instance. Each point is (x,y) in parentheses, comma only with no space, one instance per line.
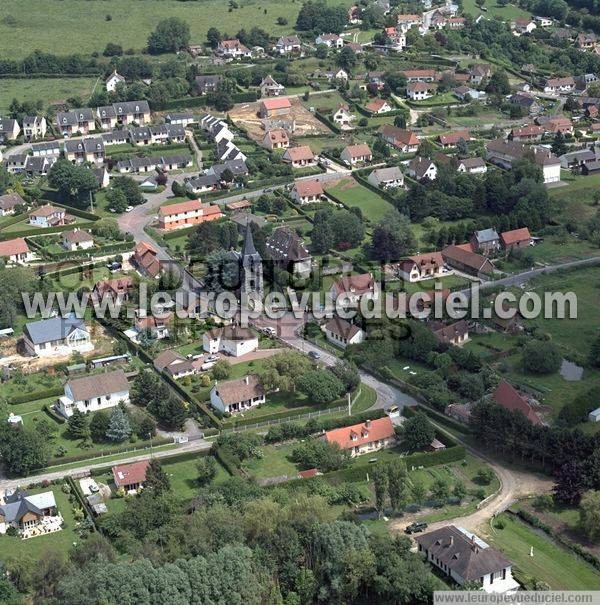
(66,26)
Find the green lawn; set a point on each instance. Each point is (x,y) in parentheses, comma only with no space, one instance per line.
(47,24)
(183,476)
(60,541)
(351,193)
(28,383)
(47,90)
(510,11)
(581,188)
(551,563)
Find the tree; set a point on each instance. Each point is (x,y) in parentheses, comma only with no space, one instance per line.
(116,201)
(207,470)
(418,432)
(485,475)
(156,479)
(559,147)
(347,372)
(589,512)
(569,483)
(322,386)
(119,428)
(99,426)
(22,450)
(221,369)
(397,485)
(213,37)
(380,485)
(74,182)
(440,489)
(112,50)
(145,388)
(347,58)
(541,358)
(316,453)
(78,425)
(498,83)
(170,35)
(169,411)
(460,490)
(392,238)
(419,491)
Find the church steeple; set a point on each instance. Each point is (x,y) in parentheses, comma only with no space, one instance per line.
(251,269)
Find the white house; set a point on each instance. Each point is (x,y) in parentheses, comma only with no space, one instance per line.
(93,393)
(330,40)
(113,80)
(56,336)
(307,191)
(594,416)
(34,127)
(387,177)
(231,340)
(47,216)
(472,166)
(78,239)
(365,437)
(422,168)
(423,266)
(354,287)
(24,512)
(464,557)
(15,250)
(342,116)
(418,91)
(342,333)
(237,395)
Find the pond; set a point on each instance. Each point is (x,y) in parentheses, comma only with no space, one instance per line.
(570,371)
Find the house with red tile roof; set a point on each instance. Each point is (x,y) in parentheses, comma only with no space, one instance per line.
(120,287)
(276,139)
(517,238)
(377,106)
(402,139)
(451,139)
(15,250)
(145,258)
(423,266)
(184,214)
(130,477)
(307,191)
(277,106)
(510,399)
(299,157)
(365,437)
(354,287)
(356,154)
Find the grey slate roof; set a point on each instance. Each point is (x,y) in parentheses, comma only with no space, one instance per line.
(486,235)
(131,107)
(53,329)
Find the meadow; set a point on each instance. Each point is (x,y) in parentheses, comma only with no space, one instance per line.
(66,26)
(48,90)
(352,194)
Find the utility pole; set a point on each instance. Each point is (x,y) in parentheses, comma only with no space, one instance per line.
(91,202)
(349,406)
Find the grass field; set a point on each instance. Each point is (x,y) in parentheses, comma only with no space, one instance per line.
(510,11)
(47,90)
(352,194)
(77,26)
(550,563)
(581,188)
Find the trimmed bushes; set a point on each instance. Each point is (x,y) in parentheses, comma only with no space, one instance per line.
(55,392)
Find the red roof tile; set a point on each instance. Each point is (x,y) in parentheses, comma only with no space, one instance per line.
(361,434)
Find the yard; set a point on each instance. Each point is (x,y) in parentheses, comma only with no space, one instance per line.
(550,563)
(351,193)
(60,541)
(581,188)
(48,90)
(510,11)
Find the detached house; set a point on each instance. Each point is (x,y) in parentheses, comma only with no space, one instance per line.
(559,85)
(421,168)
(330,40)
(47,216)
(145,259)
(464,557)
(174,364)
(523,26)
(307,191)
(119,288)
(25,512)
(531,132)
(404,140)
(517,238)
(154,326)
(378,106)
(486,241)
(585,41)
(15,250)
(408,21)
(231,340)
(235,396)
(354,287)
(276,139)
(287,250)
(510,399)
(288,45)
(356,154)
(113,81)
(233,49)
(130,477)
(206,84)
(387,177)
(365,437)
(93,393)
(423,266)
(467,261)
(56,336)
(8,203)
(184,214)
(77,239)
(342,333)
(453,138)
(472,166)
(274,107)
(479,72)
(299,157)
(342,116)
(270,88)
(455,334)
(418,91)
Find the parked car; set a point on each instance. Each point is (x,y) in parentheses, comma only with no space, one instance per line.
(314,354)
(207,366)
(415,528)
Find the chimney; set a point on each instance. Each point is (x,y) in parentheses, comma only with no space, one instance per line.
(451,542)
(367,423)
(247,380)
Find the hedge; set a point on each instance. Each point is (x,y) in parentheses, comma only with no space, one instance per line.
(44,230)
(178,233)
(85,254)
(76,490)
(226,461)
(325,120)
(438,416)
(381,192)
(13,220)
(54,415)
(35,395)
(78,212)
(124,447)
(73,269)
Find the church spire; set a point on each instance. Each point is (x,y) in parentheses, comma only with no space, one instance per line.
(249,249)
